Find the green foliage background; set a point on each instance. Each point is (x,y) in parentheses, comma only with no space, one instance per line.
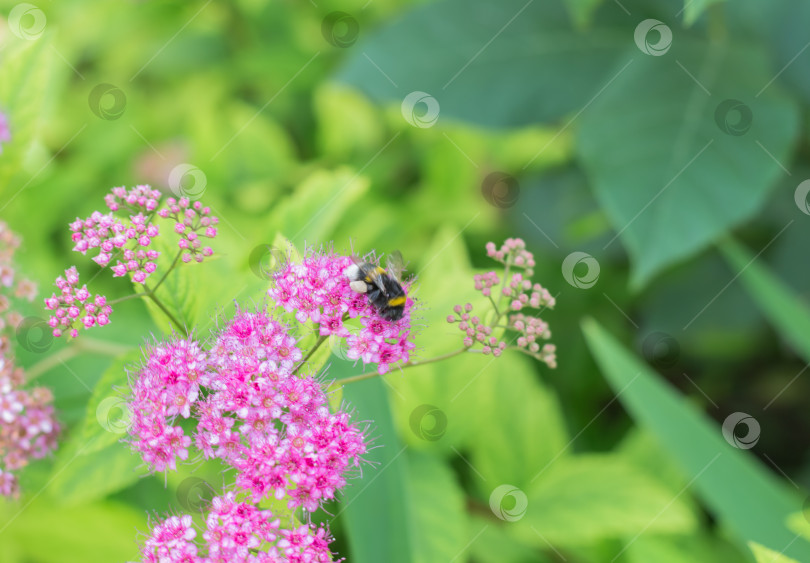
(699,310)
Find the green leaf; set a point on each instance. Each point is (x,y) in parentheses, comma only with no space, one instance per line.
(717,471)
(586,498)
(789,315)
(103,531)
(439,517)
(693,9)
(491,544)
(81,476)
(107,416)
(465,58)
(766,555)
(376,507)
(582,11)
(310,214)
(24,73)
(663,185)
(682,549)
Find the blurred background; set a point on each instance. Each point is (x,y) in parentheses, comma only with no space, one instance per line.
(653,155)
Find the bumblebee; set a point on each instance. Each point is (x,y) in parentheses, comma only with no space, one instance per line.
(383,287)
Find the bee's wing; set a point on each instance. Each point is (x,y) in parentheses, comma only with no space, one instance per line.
(395,265)
(371,272)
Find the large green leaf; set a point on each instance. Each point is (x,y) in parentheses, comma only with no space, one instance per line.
(766,555)
(103,531)
(586,498)
(24,73)
(662,167)
(743,495)
(789,315)
(376,507)
(494,63)
(107,416)
(439,518)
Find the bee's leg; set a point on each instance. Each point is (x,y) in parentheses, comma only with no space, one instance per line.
(359,286)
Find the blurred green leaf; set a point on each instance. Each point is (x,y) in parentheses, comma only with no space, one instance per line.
(663,183)
(693,9)
(102,531)
(376,508)
(789,315)
(582,11)
(107,418)
(24,74)
(585,498)
(492,544)
(439,518)
(475,77)
(766,555)
(717,471)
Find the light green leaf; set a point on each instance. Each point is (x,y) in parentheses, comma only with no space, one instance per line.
(582,11)
(663,182)
(789,315)
(490,543)
(102,531)
(24,74)
(439,518)
(582,499)
(693,9)
(717,471)
(766,555)
(107,415)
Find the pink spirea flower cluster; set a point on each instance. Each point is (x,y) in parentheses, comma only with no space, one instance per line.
(123,240)
(235,531)
(12,285)
(516,293)
(5,130)
(74,307)
(28,427)
(317,290)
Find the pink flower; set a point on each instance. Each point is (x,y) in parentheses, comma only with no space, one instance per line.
(5,131)
(74,308)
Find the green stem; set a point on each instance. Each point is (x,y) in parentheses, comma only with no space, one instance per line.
(166,312)
(370,374)
(72,350)
(174,263)
(321,340)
